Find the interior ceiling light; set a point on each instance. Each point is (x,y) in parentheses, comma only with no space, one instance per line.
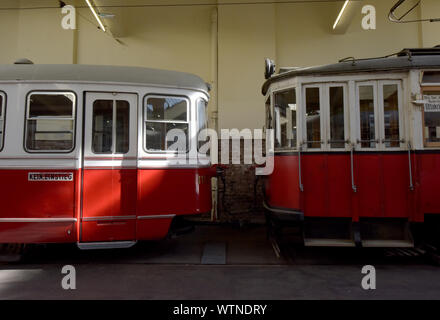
(340,14)
(96,15)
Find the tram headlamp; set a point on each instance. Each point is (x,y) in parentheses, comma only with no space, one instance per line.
(269,68)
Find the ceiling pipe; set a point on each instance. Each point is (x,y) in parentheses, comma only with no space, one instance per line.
(393,18)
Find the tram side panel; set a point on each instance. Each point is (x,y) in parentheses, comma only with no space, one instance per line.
(109,193)
(381,181)
(168,192)
(428,181)
(327,185)
(397,194)
(38,206)
(326,182)
(282,186)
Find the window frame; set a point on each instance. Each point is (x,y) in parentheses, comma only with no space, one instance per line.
(275,115)
(3,117)
(358,142)
(145,120)
(326,114)
(197,119)
(73,118)
(268,121)
(379,114)
(381,107)
(428,144)
(322,116)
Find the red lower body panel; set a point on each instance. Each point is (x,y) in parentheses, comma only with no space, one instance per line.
(152,229)
(109,205)
(428,182)
(35,211)
(117,204)
(170,192)
(37,232)
(173,191)
(382,182)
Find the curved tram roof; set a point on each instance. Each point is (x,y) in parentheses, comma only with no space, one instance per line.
(405,60)
(102,74)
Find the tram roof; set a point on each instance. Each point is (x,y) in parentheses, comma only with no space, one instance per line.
(102,74)
(386,64)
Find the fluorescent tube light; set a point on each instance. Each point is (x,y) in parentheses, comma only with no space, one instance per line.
(96,15)
(341,13)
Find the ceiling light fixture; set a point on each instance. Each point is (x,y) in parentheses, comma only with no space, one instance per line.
(341,13)
(96,15)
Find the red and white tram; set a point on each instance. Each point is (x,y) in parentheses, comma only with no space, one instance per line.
(357,150)
(84,158)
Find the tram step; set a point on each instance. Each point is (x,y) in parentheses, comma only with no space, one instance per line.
(316,242)
(105,245)
(387,243)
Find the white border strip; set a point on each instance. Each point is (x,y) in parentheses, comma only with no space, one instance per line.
(160,216)
(108,218)
(38,219)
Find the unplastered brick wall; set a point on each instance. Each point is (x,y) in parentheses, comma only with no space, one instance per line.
(241,199)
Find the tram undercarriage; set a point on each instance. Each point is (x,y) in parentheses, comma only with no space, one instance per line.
(295,229)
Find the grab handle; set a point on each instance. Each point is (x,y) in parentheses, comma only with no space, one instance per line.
(301,187)
(411,185)
(353,185)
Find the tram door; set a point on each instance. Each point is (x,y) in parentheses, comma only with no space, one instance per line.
(109,167)
(382,164)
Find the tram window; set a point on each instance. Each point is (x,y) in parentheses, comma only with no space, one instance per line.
(104,113)
(391,115)
(166,109)
(50,122)
(202,119)
(431,77)
(367,121)
(2,122)
(162,115)
(432,118)
(313,118)
(337,135)
(285,119)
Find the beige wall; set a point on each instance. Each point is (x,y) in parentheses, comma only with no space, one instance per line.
(246,37)
(180,38)
(310,41)
(430,31)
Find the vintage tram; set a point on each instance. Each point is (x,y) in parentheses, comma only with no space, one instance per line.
(357,150)
(84,156)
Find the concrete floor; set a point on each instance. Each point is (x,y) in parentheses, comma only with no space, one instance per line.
(246,268)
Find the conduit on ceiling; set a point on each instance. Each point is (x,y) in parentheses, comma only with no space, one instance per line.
(393,18)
